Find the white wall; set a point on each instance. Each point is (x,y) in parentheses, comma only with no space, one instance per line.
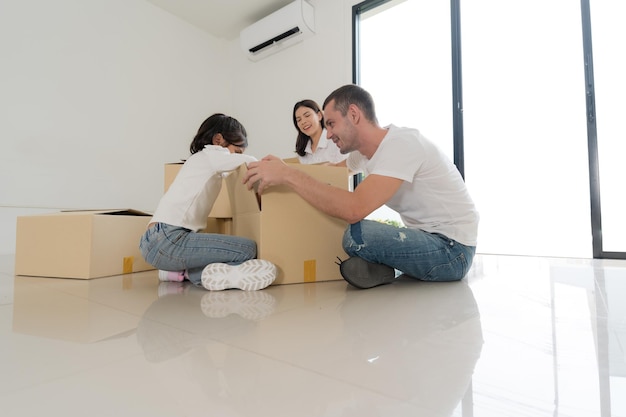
(264,92)
(96,95)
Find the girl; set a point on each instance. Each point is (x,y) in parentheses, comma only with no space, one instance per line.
(172,242)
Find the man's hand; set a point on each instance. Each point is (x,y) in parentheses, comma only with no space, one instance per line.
(265,173)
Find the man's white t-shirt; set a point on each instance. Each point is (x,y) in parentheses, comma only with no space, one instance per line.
(190,198)
(433,196)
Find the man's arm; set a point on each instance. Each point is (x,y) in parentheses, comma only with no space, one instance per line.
(352,207)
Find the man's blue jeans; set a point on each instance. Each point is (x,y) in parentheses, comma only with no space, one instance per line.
(172,248)
(418,254)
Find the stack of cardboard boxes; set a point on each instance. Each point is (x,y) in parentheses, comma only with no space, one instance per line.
(303,242)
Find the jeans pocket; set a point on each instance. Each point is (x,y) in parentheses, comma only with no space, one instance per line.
(452,269)
(177,235)
(144,245)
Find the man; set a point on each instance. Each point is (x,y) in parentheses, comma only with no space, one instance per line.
(403,170)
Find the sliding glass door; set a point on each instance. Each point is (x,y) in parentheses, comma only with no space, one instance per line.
(405,65)
(526,150)
(608,84)
(524,126)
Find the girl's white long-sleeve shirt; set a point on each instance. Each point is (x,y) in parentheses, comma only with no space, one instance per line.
(191,196)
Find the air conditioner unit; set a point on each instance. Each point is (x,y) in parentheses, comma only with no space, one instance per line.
(279,30)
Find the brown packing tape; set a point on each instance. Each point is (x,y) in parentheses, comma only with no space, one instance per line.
(128,265)
(310,269)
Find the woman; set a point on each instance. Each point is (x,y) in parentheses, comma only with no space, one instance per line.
(172,243)
(312,145)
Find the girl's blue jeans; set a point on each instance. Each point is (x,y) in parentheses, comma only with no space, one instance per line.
(418,254)
(173,248)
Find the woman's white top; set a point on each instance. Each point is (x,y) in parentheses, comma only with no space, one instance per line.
(190,198)
(326,151)
(433,196)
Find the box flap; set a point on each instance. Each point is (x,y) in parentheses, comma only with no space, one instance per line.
(120,212)
(124,212)
(330,174)
(242,200)
(248,201)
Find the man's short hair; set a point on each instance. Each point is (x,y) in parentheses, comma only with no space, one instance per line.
(353,94)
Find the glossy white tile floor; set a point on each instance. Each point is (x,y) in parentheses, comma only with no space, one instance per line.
(520,336)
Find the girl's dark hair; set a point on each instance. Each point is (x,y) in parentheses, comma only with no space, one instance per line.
(302,139)
(232,131)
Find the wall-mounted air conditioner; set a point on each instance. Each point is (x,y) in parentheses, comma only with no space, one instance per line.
(279,30)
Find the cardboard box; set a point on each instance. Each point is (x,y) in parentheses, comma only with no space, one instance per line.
(221,209)
(81,244)
(303,242)
(222,226)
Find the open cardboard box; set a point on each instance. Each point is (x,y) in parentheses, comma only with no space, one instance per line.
(81,244)
(303,242)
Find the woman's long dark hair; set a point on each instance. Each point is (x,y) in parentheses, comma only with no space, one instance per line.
(302,139)
(230,128)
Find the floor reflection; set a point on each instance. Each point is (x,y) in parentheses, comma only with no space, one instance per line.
(519,337)
(419,347)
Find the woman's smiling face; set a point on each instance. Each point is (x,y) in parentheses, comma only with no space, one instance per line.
(308,120)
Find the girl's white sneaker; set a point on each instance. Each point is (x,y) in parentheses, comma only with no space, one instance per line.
(251,275)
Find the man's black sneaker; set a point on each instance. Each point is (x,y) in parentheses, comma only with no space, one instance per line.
(363,274)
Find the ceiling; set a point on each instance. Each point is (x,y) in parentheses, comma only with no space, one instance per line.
(221,18)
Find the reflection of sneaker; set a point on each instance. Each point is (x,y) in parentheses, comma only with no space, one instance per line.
(168,288)
(171,276)
(363,274)
(251,305)
(251,275)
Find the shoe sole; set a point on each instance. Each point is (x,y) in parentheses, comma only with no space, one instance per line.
(251,275)
(363,274)
(249,305)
